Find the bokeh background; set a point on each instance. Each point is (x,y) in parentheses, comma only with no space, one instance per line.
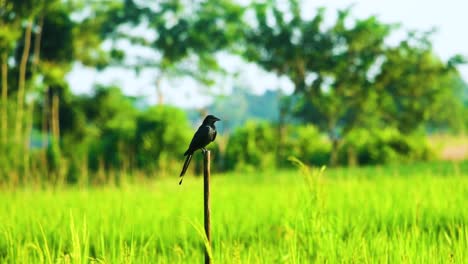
(97,88)
(343,133)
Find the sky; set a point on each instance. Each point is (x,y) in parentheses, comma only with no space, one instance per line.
(449,17)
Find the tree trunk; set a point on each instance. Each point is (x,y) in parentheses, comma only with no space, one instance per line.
(281,134)
(45,106)
(27,141)
(334,152)
(56,165)
(21,83)
(45,129)
(352,157)
(4,116)
(84,173)
(55,117)
(37,45)
(30,107)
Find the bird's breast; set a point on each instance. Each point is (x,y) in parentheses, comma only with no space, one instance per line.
(212,133)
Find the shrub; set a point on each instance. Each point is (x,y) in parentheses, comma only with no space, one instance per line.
(383,146)
(154,139)
(258,146)
(162,136)
(306,143)
(252,146)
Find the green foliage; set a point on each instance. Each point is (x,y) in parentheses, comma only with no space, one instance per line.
(257,145)
(8,35)
(57,37)
(347,82)
(306,143)
(448,119)
(382,146)
(187,35)
(7,146)
(127,137)
(54,156)
(411,83)
(345,77)
(252,147)
(161,138)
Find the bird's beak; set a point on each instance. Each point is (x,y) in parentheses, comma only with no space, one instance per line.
(217,119)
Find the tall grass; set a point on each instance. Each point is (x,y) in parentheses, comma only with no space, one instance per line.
(370,215)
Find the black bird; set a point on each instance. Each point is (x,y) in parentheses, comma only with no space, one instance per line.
(205,134)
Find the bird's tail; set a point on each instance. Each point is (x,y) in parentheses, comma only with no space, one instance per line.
(184,169)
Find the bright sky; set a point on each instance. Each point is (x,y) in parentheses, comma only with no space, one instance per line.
(449,17)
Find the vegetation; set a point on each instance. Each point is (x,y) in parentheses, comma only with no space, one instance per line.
(340,215)
(346,77)
(82,177)
(347,81)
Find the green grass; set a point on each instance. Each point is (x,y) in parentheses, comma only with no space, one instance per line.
(410,214)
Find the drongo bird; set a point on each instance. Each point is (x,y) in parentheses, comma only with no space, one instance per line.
(205,134)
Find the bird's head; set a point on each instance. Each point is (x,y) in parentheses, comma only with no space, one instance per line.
(210,119)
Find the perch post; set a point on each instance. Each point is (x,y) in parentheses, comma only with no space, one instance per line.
(206,202)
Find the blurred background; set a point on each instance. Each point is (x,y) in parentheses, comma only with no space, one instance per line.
(96,92)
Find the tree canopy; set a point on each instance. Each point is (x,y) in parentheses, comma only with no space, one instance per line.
(345,75)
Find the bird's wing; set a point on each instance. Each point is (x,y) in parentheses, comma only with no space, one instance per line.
(214,136)
(200,139)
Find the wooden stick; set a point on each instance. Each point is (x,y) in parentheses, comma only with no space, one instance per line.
(206,202)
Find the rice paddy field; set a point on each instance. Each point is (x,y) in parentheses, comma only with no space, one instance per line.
(395,214)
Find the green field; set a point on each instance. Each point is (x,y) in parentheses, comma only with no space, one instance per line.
(410,214)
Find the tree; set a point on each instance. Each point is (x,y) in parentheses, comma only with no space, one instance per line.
(345,76)
(110,127)
(9,34)
(187,36)
(330,68)
(14,15)
(159,134)
(413,82)
(40,38)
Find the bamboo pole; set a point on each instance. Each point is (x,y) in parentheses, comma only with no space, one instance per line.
(206,203)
